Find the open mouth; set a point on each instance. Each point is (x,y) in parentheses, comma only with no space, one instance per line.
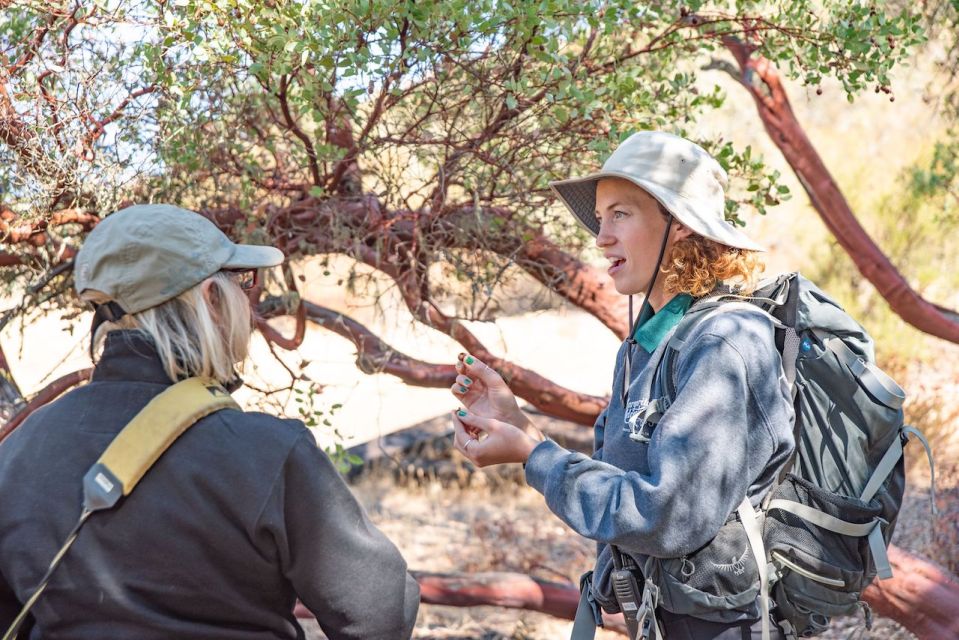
(615,265)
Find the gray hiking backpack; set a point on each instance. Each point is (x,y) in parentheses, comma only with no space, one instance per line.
(820,535)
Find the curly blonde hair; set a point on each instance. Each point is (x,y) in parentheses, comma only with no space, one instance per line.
(695,265)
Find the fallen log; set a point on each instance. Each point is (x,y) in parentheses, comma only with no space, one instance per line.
(920,596)
(499,589)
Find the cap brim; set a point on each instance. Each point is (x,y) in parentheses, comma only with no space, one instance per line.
(250,256)
(579,196)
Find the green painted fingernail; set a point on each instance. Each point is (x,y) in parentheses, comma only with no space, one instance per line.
(463,389)
(461,413)
(467,381)
(469,360)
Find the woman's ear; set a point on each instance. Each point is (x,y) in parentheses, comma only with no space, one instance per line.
(211,293)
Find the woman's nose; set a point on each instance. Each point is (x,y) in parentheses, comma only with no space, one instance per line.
(604,238)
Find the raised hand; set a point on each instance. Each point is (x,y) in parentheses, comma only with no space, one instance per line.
(487,441)
(484,393)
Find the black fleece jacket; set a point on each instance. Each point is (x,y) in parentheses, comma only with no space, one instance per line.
(242,515)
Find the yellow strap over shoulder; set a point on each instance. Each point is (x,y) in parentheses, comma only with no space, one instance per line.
(132,453)
(148,435)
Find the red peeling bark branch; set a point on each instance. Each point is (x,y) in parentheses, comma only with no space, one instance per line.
(510,590)
(14,230)
(763,82)
(373,355)
(9,259)
(581,284)
(541,392)
(585,286)
(274,336)
(45,395)
(391,238)
(920,596)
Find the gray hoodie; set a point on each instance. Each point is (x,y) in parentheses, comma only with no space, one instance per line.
(726,434)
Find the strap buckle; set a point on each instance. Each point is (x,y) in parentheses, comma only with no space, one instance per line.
(648,626)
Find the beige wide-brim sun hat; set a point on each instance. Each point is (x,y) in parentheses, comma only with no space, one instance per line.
(147,254)
(678,173)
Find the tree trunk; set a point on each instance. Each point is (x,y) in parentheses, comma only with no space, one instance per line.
(761,79)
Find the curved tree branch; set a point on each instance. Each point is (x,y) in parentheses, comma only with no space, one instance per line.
(294,128)
(528,247)
(275,337)
(579,283)
(542,393)
(373,355)
(14,230)
(761,79)
(45,395)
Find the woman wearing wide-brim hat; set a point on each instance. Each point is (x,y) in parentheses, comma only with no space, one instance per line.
(660,496)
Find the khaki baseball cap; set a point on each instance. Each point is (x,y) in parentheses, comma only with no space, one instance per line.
(147,254)
(680,174)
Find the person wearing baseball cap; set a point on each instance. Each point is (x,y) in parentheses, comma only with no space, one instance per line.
(661,490)
(241,516)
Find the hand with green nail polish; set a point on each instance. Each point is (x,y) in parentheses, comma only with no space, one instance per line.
(485,394)
(487,441)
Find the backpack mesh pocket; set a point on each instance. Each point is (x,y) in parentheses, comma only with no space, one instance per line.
(821,572)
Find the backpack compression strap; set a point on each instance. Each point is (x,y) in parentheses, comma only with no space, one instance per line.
(132,453)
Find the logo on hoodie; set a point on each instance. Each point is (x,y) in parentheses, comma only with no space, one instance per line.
(639,431)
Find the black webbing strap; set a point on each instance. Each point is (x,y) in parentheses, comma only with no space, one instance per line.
(627,358)
(104,312)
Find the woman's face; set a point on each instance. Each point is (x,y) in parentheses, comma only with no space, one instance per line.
(631,229)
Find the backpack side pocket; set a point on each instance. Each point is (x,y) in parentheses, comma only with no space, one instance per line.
(821,572)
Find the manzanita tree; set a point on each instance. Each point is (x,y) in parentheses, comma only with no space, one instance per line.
(417,138)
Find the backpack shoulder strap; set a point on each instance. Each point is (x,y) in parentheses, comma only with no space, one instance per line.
(699,314)
(131,454)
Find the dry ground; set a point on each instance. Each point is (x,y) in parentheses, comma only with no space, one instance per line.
(496,523)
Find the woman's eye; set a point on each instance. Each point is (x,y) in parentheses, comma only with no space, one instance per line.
(618,215)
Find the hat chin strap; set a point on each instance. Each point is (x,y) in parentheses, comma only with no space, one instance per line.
(652,283)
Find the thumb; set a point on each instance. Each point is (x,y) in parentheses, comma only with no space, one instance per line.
(475,422)
(478,369)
